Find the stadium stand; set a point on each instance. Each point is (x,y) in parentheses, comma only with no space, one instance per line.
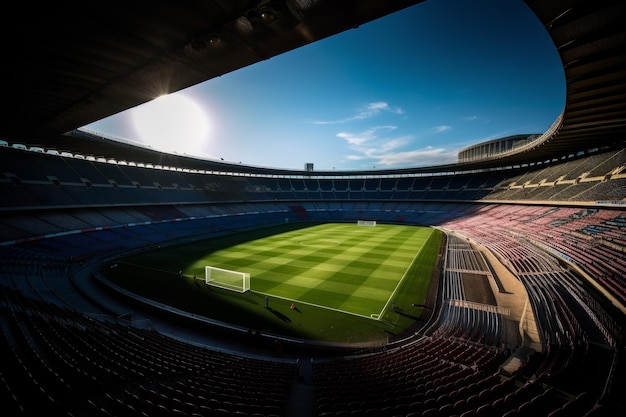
(547,247)
(528,310)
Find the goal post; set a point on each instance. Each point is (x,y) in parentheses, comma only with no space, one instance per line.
(366,223)
(227,279)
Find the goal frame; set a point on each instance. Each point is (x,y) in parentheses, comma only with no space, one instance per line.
(241,284)
(366,223)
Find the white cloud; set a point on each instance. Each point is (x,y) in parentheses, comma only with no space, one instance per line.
(373,147)
(353,139)
(370,110)
(441,128)
(418,157)
(396,143)
(474,118)
(358,139)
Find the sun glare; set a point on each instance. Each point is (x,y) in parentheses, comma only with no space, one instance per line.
(172,123)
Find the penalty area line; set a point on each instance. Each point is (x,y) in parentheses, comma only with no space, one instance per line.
(370,317)
(393,293)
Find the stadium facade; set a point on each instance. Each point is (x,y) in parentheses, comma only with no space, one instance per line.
(495,147)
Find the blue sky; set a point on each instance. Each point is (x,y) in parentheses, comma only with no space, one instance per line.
(410,89)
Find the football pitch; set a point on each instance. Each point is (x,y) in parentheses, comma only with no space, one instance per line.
(337,266)
(329,270)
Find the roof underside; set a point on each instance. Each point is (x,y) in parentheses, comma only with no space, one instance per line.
(67,67)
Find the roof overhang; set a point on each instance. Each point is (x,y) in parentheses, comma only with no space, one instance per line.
(66,67)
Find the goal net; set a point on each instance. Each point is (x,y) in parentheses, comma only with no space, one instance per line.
(227,279)
(366,223)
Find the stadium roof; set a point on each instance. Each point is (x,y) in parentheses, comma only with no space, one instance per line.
(67,66)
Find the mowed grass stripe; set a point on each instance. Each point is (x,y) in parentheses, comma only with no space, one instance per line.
(340,266)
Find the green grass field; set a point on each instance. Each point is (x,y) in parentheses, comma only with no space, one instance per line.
(342,278)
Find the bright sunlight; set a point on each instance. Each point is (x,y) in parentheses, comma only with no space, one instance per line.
(172,123)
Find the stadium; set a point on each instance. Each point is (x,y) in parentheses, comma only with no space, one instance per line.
(523,310)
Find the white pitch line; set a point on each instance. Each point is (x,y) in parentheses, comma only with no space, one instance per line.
(316,305)
(390,299)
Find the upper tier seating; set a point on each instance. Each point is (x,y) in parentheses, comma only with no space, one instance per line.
(61,181)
